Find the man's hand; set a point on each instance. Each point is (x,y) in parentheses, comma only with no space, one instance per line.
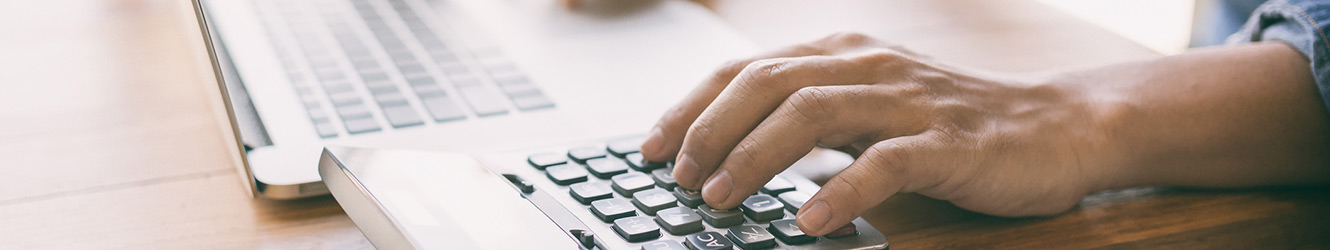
(993,144)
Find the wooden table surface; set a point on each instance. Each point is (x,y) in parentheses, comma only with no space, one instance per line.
(108,139)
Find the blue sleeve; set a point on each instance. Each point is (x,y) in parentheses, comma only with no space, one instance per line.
(1299,23)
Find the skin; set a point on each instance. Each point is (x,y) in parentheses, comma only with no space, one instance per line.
(1005,145)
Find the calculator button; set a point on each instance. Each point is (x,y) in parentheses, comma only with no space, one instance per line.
(580,155)
(664,178)
(588,192)
(663,245)
(752,237)
(777,185)
(788,231)
(847,230)
(708,241)
(605,167)
(794,200)
(763,208)
(544,160)
(689,198)
(637,228)
(679,220)
(566,174)
(636,162)
(627,184)
(612,209)
(720,218)
(653,200)
(623,147)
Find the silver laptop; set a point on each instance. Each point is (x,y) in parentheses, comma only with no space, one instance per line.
(456,76)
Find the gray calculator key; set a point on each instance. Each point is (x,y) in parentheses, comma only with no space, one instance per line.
(482,101)
(566,174)
(590,191)
(637,228)
(752,237)
(720,218)
(612,209)
(777,185)
(794,200)
(708,241)
(582,154)
(763,208)
(361,125)
(443,109)
(624,147)
(663,245)
(789,232)
(604,168)
(690,198)
(544,160)
(679,220)
(627,184)
(653,200)
(664,178)
(401,116)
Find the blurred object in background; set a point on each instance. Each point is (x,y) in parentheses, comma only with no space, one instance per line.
(1215,20)
(1162,26)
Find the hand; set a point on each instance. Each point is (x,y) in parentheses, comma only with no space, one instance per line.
(993,144)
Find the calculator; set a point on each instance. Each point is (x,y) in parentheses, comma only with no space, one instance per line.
(594,195)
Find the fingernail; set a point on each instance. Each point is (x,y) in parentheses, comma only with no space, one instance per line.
(685,172)
(718,189)
(815,217)
(653,144)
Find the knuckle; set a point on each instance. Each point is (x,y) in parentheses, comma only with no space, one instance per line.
(810,103)
(763,72)
(701,132)
(849,37)
(891,159)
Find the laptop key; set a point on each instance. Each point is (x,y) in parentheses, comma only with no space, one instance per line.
(689,198)
(401,116)
(720,218)
(777,185)
(612,209)
(532,102)
(566,174)
(664,178)
(663,245)
(604,168)
(763,208)
(794,200)
(653,200)
(627,184)
(788,232)
(708,241)
(361,125)
(544,160)
(589,192)
(752,237)
(679,220)
(443,109)
(637,228)
(482,101)
(582,154)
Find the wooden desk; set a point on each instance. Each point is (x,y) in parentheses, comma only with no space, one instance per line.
(109,142)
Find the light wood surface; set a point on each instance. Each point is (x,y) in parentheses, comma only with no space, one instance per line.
(108,140)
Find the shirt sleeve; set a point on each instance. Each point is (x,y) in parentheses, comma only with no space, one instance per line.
(1300,24)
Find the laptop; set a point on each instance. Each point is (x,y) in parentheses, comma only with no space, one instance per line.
(486,124)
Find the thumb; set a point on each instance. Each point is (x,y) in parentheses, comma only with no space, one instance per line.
(880,172)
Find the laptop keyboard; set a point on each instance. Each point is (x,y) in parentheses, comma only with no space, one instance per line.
(643,204)
(361,66)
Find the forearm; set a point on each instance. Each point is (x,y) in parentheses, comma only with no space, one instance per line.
(1228,117)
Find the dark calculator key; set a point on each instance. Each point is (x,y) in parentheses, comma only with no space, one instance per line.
(589,191)
(849,229)
(566,174)
(637,228)
(788,231)
(663,245)
(653,200)
(612,209)
(544,160)
(689,198)
(679,220)
(624,147)
(604,168)
(627,184)
(752,237)
(777,185)
(794,200)
(763,208)
(580,155)
(664,178)
(635,161)
(708,241)
(720,218)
